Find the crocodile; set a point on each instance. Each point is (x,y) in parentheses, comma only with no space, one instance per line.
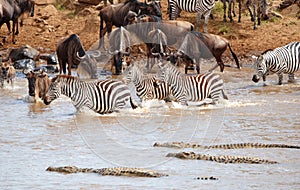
(116,171)
(223,146)
(221,159)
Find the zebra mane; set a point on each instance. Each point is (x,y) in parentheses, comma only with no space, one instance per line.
(266,51)
(63,76)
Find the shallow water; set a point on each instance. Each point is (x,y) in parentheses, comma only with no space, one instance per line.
(35,136)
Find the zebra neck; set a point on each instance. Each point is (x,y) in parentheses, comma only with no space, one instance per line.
(72,87)
(177,84)
(138,81)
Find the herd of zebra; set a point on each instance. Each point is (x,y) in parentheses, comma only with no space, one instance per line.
(109,95)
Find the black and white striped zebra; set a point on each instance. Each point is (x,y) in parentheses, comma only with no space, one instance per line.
(202,7)
(191,87)
(101,96)
(282,60)
(146,86)
(260,9)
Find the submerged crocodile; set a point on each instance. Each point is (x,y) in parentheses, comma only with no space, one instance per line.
(223,146)
(117,171)
(220,159)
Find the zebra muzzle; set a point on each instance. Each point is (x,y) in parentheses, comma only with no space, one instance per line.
(255,78)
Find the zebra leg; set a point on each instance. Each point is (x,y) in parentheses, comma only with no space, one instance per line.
(291,78)
(254,16)
(280,77)
(206,17)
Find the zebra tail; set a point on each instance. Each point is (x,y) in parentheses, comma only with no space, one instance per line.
(133,104)
(234,57)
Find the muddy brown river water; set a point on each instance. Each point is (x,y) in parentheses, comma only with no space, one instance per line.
(34,136)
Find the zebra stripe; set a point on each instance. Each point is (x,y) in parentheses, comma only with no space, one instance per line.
(191,87)
(101,96)
(282,60)
(146,86)
(202,7)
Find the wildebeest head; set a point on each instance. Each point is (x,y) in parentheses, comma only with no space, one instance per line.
(7,70)
(54,90)
(4,70)
(154,8)
(32,77)
(88,64)
(120,41)
(260,68)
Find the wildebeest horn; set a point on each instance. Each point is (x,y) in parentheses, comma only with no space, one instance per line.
(153,53)
(79,55)
(127,52)
(96,53)
(113,53)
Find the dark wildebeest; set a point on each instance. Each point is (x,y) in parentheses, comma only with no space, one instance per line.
(198,45)
(114,15)
(70,51)
(38,84)
(7,73)
(12,10)
(120,43)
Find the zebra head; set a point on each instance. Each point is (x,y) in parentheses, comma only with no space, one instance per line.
(133,73)
(260,68)
(54,90)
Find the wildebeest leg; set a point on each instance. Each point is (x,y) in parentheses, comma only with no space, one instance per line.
(230,3)
(70,63)
(198,67)
(240,10)
(15,22)
(249,9)
(224,7)
(102,32)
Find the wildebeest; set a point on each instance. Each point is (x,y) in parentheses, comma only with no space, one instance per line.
(114,15)
(12,10)
(7,73)
(70,51)
(38,84)
(198,45)
(120,43)
(170,32)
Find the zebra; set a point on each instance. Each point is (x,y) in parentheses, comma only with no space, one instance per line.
(282,60)
(202,7)
(146,86)
(101,96)
(191,87)
(260,8)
